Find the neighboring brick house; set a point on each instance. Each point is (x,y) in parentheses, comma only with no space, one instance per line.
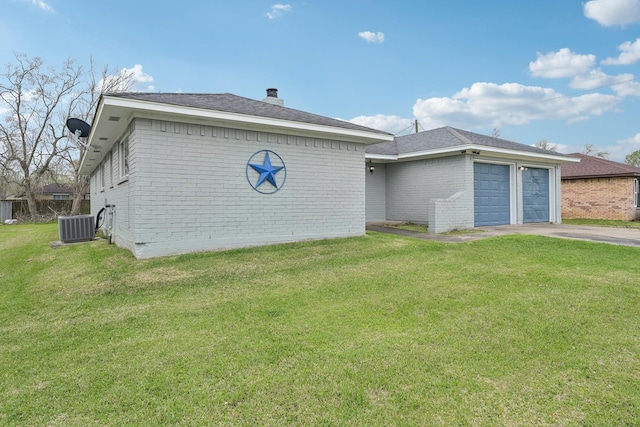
(195,172)
(598,188)
(454,179)
(57,192)
(50,192)
(54,192)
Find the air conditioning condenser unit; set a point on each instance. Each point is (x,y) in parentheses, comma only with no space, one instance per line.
(78,228)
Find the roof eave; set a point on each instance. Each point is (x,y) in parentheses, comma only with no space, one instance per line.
(482,149)
(130,108)
(611,175)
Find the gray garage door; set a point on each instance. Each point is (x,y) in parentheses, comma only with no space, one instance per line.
(535,195)
(491,194)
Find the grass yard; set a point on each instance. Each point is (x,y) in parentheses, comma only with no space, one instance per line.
(602,223)
(380,330)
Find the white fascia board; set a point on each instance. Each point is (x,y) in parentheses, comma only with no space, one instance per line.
(380,156)
(369,137)
(90,138)
(486,149)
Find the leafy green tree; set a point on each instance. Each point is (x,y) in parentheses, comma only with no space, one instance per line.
(633,158)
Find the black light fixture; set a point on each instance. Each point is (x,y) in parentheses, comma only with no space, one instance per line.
(371,167)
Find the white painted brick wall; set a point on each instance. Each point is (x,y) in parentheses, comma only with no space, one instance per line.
(117,191)
(376,188)
(187,190)
(411,185)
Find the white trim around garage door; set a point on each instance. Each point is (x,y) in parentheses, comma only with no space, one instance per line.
(513,191)
(553,188)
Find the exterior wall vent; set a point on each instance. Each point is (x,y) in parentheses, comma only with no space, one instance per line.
(78,228)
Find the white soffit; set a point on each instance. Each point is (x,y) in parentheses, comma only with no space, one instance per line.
(482,149)
(115,113)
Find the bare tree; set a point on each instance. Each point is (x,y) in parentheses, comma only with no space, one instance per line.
(37,101)
(546,145)
(83,106)
(30,136)
(592,150)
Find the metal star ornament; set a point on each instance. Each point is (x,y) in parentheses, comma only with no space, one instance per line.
(267,172)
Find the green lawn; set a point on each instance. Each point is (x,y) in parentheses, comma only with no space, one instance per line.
(602,223)
(380,330)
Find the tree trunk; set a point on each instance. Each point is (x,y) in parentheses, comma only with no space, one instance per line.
(31,201)
(80,189)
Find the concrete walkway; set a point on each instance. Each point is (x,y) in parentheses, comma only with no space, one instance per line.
(612,235)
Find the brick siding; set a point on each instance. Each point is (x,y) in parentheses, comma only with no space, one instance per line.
(599,198)
(188,191)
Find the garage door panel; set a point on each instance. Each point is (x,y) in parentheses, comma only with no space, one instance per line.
(535,195)
(491,194)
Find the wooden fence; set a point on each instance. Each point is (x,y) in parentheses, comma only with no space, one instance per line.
(47,209)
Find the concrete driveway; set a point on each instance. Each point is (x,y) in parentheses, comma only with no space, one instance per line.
(612,235)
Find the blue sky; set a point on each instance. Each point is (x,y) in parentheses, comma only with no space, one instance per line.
(565,71)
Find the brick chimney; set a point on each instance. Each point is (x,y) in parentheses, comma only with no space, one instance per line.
(272,97)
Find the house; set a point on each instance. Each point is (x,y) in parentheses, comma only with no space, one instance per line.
(454,179)
(598,188)
(54,192)
(57,192)
(49,192)
(195,172)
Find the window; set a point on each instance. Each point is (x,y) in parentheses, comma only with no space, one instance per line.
(636,192)
(110,163)
(60,197)
(124,158)
(102,176)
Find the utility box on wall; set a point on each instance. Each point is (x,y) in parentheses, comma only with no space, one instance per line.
(77,228)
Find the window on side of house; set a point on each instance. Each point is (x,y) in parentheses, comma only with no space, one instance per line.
(124,158)
(110,163)
(60,197)
(101,175)
(636,192)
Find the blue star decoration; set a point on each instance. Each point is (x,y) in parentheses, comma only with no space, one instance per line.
(267,172)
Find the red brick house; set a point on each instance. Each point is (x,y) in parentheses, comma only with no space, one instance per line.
(598,188)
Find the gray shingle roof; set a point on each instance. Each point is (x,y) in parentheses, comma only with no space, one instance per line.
(447,137)
(596,167)
(227,102)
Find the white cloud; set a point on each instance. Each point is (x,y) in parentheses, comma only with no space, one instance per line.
(391,124)
(371,37)
(510,104)
(592,80)
(41,4)
(613,12)
(622,84)
(489,105)
(138,82)
(277,10)
(562,63)
(627,87)
(634,140)
(630,54)
(623,147)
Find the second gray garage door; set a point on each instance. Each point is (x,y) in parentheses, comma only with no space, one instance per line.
(535,195)
(491,194)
